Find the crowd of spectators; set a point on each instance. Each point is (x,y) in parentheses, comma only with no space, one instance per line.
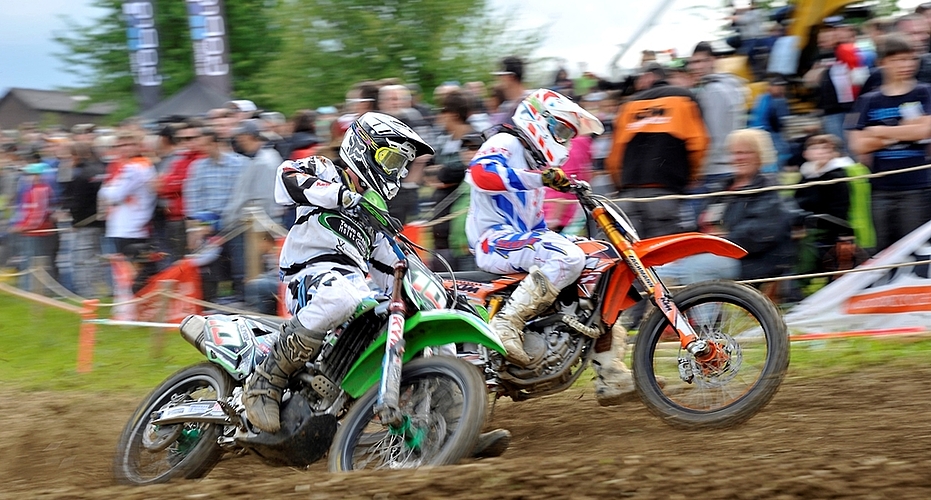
(155,192)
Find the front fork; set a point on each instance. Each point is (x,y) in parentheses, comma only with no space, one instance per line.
(701,349)
(387,406)
(388,403)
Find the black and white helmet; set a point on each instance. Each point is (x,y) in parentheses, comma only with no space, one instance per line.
(378,148)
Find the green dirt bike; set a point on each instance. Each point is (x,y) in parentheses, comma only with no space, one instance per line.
(375,397)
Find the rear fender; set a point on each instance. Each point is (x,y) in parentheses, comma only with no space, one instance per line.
(656,252)
(423,329)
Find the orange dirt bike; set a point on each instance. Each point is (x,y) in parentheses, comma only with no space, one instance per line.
(719,349)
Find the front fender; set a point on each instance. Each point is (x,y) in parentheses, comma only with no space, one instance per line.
(656,252)
(423,329)
(665,249)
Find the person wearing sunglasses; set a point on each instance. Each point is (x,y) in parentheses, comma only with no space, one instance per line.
(508,233)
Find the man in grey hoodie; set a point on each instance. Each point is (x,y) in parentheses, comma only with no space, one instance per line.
(256,184)
(723,105)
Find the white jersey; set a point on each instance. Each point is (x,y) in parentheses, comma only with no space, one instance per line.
(323,232)
(505,192)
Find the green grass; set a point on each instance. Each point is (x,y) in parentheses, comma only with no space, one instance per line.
(844,356)
(39,346)
(38,351)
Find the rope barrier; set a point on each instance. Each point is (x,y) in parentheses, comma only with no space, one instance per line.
(16,274)
(114,322)
(835,273)
(260,218)
(780,187)
(49,282)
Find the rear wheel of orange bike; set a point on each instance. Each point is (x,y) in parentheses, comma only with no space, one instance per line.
(750,356)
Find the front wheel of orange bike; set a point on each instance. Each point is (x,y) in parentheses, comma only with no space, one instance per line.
(750,356)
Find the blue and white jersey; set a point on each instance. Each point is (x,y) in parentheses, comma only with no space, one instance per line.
(505,192)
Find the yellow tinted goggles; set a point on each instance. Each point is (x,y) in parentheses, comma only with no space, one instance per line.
(393,159)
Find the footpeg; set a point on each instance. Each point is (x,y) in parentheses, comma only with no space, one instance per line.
(324,387)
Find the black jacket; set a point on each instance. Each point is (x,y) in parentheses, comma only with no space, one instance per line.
(761,224)
(81,193)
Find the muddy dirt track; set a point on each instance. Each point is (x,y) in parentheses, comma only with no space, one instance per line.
(864,436)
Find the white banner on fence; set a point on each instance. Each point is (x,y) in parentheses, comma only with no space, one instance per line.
(885,300)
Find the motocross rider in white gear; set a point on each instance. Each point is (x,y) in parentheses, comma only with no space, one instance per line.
(329,250)
(507,231)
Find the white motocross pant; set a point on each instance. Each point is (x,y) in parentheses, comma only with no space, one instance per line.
(505,251)
(324,297)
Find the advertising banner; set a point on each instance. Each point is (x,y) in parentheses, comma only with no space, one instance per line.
(142,39)
(896,300)
(207,21)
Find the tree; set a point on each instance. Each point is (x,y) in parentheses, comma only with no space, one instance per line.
(885,8)
(99,55)
(328,45)
(291,54)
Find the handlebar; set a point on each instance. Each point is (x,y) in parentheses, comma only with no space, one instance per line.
(583,191)
(382,217)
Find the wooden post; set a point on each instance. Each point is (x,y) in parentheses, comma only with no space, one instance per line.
(38,262)
(253,250)
(86,336)
(158,342)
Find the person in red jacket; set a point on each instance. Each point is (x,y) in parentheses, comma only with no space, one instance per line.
(32,219)
(171,188)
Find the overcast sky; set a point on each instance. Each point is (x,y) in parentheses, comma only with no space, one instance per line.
(584,31)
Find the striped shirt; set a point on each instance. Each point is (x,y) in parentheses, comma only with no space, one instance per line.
(210,184)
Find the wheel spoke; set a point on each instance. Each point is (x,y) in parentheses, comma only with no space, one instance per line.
(727,378)
(434,406)
(143,465)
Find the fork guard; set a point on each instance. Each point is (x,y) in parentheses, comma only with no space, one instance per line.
(656,252)
(423,329)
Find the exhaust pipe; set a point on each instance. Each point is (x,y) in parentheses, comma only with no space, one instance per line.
(192,330)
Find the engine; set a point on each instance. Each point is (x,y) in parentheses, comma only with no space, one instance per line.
(558,353)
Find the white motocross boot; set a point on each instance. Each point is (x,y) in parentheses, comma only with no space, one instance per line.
(614,383)
(534,294)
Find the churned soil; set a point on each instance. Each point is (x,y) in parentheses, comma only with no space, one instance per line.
(862,435)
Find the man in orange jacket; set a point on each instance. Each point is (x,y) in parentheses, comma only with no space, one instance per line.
(659,145)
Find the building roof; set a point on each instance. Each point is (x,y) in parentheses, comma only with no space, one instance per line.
(59,101)
(193,100)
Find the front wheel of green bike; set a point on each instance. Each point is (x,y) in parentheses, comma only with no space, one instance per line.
(443,405)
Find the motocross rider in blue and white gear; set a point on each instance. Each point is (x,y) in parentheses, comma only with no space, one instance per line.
(507,231)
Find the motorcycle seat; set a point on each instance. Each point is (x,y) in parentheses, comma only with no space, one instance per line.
(477,276)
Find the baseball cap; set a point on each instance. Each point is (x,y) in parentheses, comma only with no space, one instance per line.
(34,168)
(243,105)
(273,117)
(248,127)
(778,80)
(833,21)
(511,66)
(652,67)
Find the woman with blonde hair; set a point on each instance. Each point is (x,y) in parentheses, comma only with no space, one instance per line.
(758,222)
